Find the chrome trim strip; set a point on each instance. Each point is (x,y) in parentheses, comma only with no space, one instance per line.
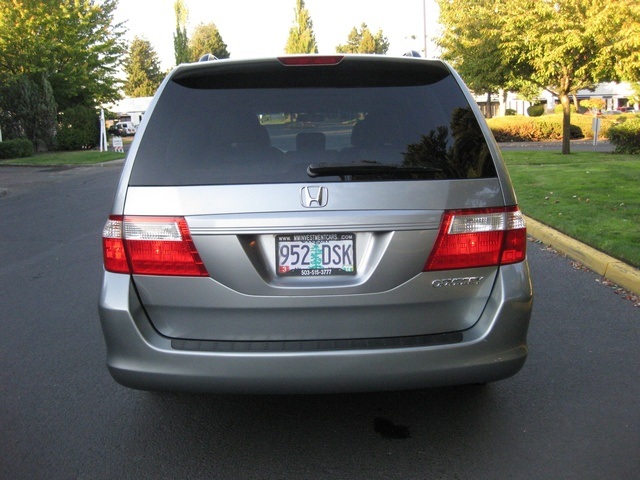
(334,227)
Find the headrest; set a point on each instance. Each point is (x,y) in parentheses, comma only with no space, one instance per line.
(311,141)
(376,131)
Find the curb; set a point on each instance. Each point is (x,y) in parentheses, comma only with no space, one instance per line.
(618,272)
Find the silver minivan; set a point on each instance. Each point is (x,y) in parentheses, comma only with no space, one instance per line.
(314,224)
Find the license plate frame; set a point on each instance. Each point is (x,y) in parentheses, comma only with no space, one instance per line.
(316,254)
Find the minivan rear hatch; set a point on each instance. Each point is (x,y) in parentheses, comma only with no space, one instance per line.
(315,198)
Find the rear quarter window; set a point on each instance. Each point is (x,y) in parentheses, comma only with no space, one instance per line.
(268,123)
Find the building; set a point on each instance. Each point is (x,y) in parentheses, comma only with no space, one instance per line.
(130,109)
(617,96)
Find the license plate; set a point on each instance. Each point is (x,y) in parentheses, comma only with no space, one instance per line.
(316,254)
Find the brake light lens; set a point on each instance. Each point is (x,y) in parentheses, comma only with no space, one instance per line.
(305,60)
(150,246)
(479,238)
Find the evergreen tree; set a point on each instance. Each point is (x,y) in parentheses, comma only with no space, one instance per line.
(28,109)
(316,257)
(207,39)
(142,68)
(363,41)
(79,128)
(301,37)
(180,39)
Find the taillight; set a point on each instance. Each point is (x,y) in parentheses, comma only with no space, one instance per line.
(479,238)
(150,246)
(304,60)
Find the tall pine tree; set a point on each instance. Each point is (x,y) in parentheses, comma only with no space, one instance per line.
(363,41)
(301,37)
(180,39)
(207,39)
(143,70)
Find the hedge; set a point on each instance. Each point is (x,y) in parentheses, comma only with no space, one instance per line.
(17,148)
(546,127)
(625,136)
(78,129)
(530,129)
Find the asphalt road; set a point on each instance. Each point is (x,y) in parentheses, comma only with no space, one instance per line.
(572,412)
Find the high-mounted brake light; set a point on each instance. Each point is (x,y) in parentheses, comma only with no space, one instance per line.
(303,60)
(479,238)
(150,246)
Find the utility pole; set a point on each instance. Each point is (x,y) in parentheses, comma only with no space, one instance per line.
(424,25)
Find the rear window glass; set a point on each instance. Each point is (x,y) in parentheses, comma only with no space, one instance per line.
(311,124)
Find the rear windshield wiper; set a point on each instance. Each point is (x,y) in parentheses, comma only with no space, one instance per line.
(370,171)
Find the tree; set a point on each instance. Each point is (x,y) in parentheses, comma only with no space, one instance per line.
(207,39)
(471,43)
(567,45)
(593,104)
(78,128)
(180,39)
(28,109)
(75,44)
(142,68)
(301,37)
(634,98)
(363,41)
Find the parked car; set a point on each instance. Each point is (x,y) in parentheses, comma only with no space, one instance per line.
(127,128)
(115,130)
(314,224)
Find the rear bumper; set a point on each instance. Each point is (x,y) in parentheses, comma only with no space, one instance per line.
(493,349)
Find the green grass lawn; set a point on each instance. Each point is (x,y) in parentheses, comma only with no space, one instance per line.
(81,157)
(593,197)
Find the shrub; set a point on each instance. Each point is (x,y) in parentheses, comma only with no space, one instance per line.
(593,104)
(558,109)
(510,111)
(28,110)
(526,129)
(585,122)
(625,136)
(78,128)
(536,110)
(18,148)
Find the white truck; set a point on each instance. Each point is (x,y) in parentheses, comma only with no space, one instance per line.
(128,122)
(126,128)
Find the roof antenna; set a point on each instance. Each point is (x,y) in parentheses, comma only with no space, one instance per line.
(207,57)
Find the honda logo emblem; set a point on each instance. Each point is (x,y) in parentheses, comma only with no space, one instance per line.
(314,197)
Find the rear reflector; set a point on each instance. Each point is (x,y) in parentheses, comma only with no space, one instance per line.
(479,238)
(302,60)
(150,246)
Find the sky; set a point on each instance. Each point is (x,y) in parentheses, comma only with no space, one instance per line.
(257,28)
